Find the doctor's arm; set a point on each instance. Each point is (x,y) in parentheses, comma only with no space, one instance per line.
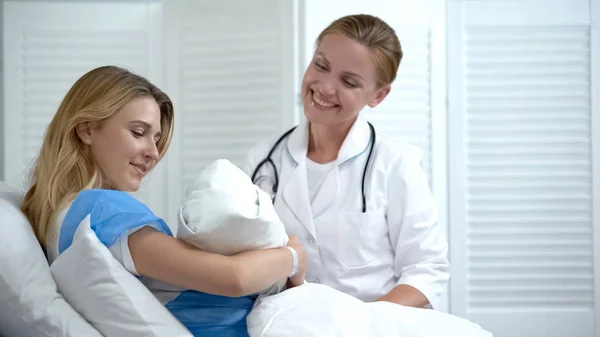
(169,260)
(420,248)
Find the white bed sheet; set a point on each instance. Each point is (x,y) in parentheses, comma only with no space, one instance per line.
(318,310)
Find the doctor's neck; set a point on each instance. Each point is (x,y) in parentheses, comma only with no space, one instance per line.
(325,141)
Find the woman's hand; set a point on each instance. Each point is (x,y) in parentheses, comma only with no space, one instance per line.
(406,295)
(298,278)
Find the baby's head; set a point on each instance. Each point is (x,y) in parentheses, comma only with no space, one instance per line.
(225,213)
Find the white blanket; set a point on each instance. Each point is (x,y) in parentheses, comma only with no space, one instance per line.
(225,213)
(313,310)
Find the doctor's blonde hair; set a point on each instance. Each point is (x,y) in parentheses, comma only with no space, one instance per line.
(377,36)
(64,166)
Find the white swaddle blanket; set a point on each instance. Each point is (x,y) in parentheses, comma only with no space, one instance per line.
(225,213)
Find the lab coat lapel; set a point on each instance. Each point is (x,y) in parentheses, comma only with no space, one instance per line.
(357,141)
(295,191)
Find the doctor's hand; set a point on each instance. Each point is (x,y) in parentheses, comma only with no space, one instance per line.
(298,278)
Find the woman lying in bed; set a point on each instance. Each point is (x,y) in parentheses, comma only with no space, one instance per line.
(109,132)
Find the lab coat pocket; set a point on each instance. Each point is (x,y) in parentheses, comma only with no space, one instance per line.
(361,237)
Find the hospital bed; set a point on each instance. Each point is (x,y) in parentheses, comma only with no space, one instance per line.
(30,304)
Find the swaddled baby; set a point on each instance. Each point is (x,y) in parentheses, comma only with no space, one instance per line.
(224,213)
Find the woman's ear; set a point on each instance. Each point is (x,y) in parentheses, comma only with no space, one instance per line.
(84,132)
(380,95)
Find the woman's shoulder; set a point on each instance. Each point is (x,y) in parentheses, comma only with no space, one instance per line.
(262,148)
(97,195)
(102,203)
(397,152)
(110,213)
(256,154)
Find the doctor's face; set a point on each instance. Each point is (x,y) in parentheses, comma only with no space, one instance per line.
(124,145)
(340,81)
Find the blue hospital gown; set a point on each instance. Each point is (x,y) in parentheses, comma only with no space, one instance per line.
(115,215)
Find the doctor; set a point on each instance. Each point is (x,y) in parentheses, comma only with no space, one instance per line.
(358,201)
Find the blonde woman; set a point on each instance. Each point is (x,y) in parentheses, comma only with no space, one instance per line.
(359,202)
(109,132)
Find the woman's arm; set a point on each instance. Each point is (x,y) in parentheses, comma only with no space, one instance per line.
(169,260)
(419,245)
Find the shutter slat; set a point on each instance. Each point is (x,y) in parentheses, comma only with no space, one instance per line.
(512,289)
(558,243)
(532,176)
(544,257)
(516,162)
(498,151)
(207,83)
(516,72)
(541,302)
(532,198)
(224,61)
(549,264)
(572,126)
(536,220)
(544,278)
(527,139)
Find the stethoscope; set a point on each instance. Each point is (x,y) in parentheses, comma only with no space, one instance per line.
(268,160)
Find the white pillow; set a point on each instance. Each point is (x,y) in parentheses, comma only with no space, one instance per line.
(225,213)
(29,302)
(106,294)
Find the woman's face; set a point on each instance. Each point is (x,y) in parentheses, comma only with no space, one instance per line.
(340,80)
(124,145)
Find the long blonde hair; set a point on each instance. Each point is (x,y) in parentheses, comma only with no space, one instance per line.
(377,36)
(64,166)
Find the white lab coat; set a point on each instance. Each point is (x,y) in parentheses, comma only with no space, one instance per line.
(397,241)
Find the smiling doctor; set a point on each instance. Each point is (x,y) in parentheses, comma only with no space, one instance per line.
(359,202)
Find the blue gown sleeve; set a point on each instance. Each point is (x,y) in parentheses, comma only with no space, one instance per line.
(111,214)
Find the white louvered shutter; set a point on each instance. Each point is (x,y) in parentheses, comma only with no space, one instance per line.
(522,188)
(231,67)
(48,46)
